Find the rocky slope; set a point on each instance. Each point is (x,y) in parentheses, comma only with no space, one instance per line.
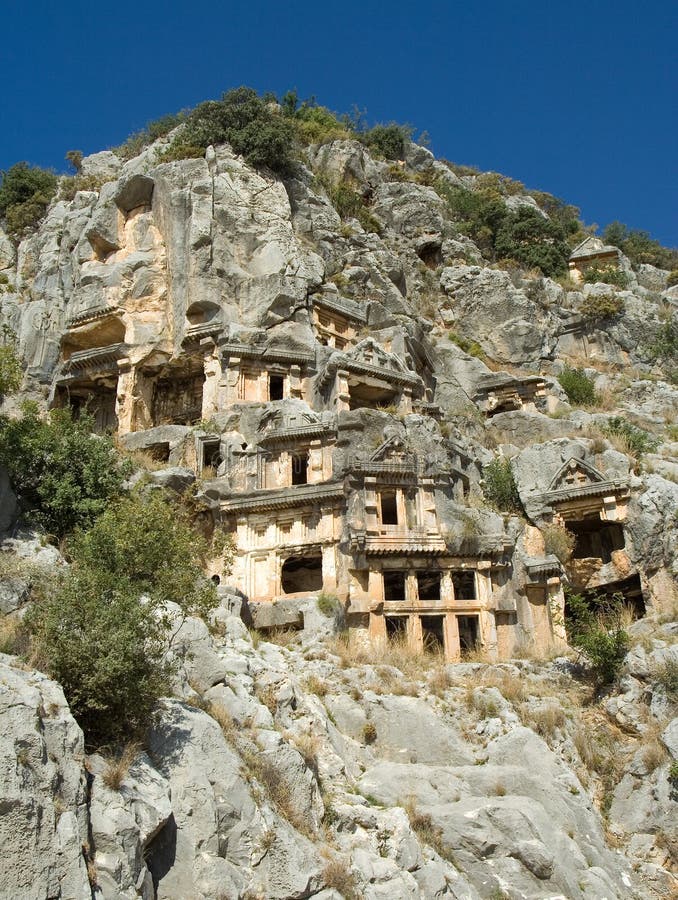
(308,769)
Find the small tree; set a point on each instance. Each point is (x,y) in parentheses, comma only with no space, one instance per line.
(105,631)
(595,627)
(63,475)
(578,386)
(10,365)
(499,486)
(25,193)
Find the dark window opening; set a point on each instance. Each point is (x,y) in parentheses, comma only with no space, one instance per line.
(428,584)
(396,628)
(464,585)
(389,508)
(430,255)
(394,587)
(596,539)
(159,452)
(469,633)
(369,397)
(178,401)
(302,573)
(605,598)
(432,628)
(300,468)
(96,400)
(211,456)
(276,387)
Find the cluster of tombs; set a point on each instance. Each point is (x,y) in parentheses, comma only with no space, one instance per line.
(312,507)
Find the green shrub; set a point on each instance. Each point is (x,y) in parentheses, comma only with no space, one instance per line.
(578,387)
(10,366)
(69,185)
(313,124)
(595,627)
(25,193)
(532,240)
(499,486)
(666,675)
(640,247)
(637,440)
(600,307)
(348,203)
(607,275)
(388,141)
(665,344)
(672,279)
(74,157)
(250,124)
(473,348)
(328,604)
(103,633)
(154,130)
(63,476)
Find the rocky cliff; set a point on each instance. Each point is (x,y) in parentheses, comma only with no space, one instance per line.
(202,303)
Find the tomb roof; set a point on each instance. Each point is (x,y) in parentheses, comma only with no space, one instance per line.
(592,246)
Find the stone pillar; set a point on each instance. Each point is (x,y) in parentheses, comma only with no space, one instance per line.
(342,391)
(124,401)
(488,633)
(484,583)
(415,635)
(329,568)
(451,632)
(446,589)
(371,511)
(295,383)
(210,391)
(315,463)
(405,402)
(556,604)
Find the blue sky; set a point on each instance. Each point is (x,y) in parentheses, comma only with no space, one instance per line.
(576,98)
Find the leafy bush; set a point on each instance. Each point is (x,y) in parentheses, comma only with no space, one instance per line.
(348,202)
(665,344)
(63,476)
(328,604)
(154,130)
(607,275)
(672,279)
(595,627)
(250,124)
(70,185)
(640,247)
(10,365)
(522,235)
(388,141)
(499,486)
(25,193)
(637,440)
(559,541)
(473,348)
(600,307)
(313,124)
(103,633)
(578,386)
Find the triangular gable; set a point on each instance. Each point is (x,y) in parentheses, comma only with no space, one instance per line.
(575,473)
(394,449)
(591,246)
(368,351)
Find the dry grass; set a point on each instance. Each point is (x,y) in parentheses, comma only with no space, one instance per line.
(277,788)
(317,686)
(308,745)
(117,768)
(545,720)
(397,653)
(559,542)
(144,459)
(511,687)
(369,732)
(423,826)
(439,680)
(225,720)
(337,875)
(14,637)
(266,694)
(480,702)
(283,637)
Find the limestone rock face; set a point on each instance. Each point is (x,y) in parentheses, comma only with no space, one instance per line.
(42,780)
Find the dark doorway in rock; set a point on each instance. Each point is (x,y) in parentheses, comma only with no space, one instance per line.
(396,628)
(394,586)
(628,591)
(428,584)
(596,539)
(178,400)
(300,468)
(159,452)
(302,573)
(464,585)
(433,633)
(366,396)
(469,633)
(389,508)
(211,456)
(96,399)
(276,387)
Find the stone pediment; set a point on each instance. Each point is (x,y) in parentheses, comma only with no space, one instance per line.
(392,450)
(368,352)
(592,246)
(575,473)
